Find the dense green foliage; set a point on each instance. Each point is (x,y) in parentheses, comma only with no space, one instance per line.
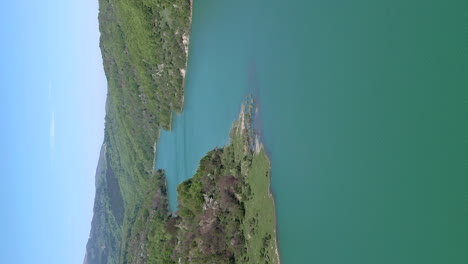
(143,54)
(106,232)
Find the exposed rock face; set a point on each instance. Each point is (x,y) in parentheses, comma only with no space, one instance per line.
(185,41)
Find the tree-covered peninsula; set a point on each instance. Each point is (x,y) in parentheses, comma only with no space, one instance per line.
(226,211)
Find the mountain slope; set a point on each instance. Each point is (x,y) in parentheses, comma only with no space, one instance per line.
(143,45)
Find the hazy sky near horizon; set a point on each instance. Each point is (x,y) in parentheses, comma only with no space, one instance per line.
(52,98)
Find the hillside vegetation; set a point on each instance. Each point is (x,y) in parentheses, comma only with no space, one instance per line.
(143,45)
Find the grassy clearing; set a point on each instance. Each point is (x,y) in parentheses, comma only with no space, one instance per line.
(260,224)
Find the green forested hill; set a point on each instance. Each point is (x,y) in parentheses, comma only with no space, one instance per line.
(143,51)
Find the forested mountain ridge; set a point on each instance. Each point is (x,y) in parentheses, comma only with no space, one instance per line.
(143,45)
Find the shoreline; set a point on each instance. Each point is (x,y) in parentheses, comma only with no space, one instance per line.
(186,42)
(183,71)
(256,126)
(272,196)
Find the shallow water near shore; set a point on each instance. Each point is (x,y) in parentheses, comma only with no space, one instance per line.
(364,110)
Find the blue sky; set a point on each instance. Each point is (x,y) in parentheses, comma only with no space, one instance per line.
(52,96)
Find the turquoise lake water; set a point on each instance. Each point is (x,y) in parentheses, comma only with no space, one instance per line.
(364,108)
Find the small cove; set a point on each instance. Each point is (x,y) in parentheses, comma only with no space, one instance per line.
(361,105)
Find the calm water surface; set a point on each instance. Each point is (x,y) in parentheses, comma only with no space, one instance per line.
(364,108)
